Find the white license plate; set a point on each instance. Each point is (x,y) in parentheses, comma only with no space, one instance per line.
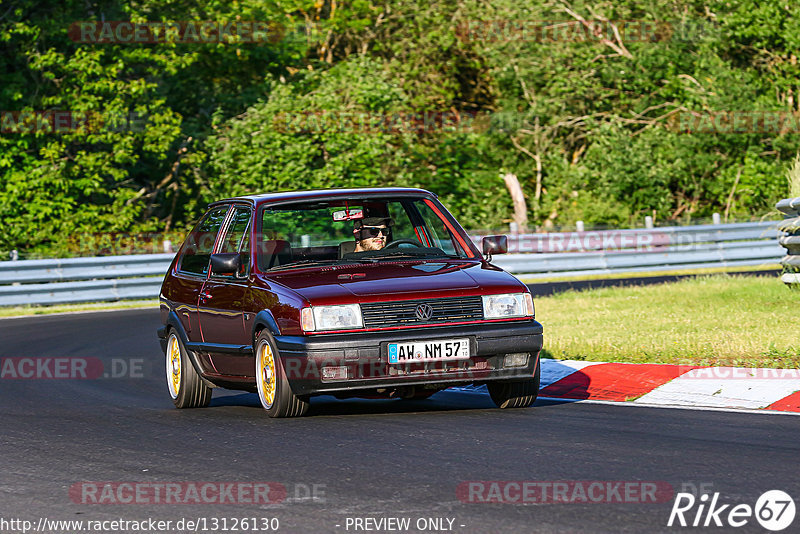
(429,351)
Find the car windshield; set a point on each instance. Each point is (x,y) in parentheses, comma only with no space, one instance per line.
(355,231)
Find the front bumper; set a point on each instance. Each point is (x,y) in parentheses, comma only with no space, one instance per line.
(364,355)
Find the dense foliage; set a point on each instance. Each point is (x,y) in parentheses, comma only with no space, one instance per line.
(604,128)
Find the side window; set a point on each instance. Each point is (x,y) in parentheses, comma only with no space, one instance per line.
(237,236)
(200,243)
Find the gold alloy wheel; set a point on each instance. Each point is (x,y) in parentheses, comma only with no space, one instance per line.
(266,374)
(173,366)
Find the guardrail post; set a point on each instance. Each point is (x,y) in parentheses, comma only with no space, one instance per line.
(789,240)
(648,222)
(716,219)
(579,226)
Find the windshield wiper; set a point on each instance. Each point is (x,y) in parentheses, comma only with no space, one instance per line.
(421,255)
(303,263)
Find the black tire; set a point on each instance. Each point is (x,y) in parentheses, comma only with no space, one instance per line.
(272,385)
(185,386)
(515,394)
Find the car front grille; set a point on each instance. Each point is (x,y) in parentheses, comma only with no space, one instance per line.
(404,312)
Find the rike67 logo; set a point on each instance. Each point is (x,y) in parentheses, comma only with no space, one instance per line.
(774,510)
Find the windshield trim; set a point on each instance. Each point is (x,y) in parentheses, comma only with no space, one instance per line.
(347,196)
(464,248)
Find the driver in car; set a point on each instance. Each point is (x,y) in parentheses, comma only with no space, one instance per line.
(372,233)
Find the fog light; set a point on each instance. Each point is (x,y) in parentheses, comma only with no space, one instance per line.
(334,373)
(516,359)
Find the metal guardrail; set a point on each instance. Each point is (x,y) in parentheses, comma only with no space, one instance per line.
(732,254)
(56,270)
(639,239)
(642,250)
(76,280)
(83,291)
(790,240)
(110,278)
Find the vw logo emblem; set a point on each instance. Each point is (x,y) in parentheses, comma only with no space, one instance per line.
(424,312)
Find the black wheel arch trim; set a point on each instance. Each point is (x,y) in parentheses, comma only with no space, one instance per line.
(174,322)
(265,319)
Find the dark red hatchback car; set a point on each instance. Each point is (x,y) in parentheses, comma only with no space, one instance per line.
(278,294)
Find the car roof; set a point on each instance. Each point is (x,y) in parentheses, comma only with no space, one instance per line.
(283,197)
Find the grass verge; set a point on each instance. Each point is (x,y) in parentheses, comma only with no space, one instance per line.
(712,320)
(25,311)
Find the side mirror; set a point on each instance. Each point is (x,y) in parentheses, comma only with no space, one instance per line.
(494,244)
(226,264)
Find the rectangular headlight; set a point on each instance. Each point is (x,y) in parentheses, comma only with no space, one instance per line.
(507,305)
(341,317)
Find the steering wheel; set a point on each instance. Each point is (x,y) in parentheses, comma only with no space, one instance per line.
(398,242)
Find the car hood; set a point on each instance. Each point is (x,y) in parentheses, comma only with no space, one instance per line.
(397,281)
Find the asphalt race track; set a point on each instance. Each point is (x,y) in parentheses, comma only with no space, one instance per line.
(351,460)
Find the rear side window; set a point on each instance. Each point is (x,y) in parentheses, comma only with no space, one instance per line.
(200,243)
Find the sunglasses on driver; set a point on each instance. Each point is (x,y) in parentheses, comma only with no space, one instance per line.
(373,231)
